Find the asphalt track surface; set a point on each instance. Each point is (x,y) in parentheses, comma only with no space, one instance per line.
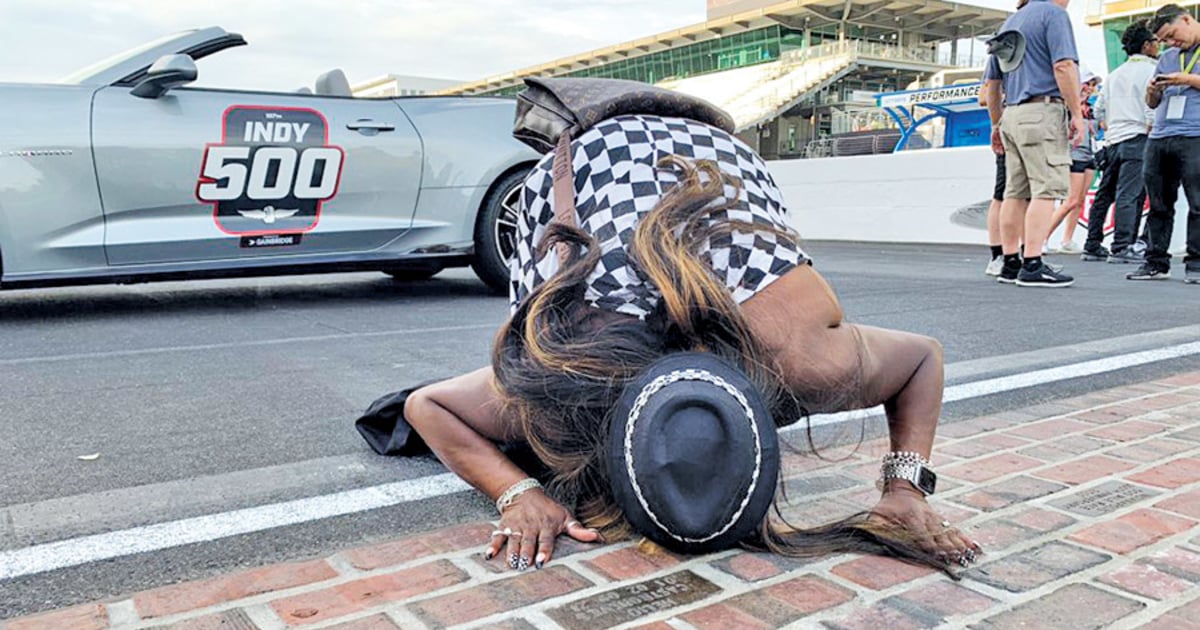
(202,398)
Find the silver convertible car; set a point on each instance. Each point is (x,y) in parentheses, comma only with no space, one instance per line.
(120,173)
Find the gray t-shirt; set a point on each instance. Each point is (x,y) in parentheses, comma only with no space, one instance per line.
(1188,125)
(1048,39)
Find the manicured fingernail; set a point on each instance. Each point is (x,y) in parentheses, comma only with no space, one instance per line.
(539,560)
(523,564)
(512,561)
(487,555)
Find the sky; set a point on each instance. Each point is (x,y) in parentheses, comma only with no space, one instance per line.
(293,41)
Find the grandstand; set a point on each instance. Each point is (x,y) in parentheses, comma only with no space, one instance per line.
(790,73)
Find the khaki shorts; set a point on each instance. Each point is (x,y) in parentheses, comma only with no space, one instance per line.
(1037,153)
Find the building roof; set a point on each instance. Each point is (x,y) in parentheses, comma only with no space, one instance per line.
(933,20)
(1099,12)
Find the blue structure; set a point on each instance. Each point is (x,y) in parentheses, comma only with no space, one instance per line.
(967,122)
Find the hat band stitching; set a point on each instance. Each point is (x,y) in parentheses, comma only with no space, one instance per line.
(643,397)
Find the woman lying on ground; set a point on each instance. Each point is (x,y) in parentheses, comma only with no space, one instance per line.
(683,245)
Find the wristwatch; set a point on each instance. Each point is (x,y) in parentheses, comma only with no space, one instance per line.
(910,467)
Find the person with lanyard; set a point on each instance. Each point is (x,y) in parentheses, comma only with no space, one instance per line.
(1126,120)
(1033,63)
(1173,151)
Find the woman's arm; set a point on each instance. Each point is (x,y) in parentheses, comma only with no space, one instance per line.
(460,420)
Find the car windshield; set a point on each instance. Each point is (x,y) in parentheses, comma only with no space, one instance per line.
(81,76)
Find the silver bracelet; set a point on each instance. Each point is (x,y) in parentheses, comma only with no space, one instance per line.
(508,496)
(904,457)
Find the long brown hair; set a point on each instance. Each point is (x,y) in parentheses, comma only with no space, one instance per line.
(561,364)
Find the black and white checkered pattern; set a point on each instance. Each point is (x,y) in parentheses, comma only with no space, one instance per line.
(616,183)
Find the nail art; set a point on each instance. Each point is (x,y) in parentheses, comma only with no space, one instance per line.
(523,564)
(487,554)
(512,561)
(539,560)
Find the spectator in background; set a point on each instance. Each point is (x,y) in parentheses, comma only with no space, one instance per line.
(996,260)
(1083,171)
(1126,119)
(1173,149)
(1033,64)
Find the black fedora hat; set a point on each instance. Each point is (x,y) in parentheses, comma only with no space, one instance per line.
(693,454)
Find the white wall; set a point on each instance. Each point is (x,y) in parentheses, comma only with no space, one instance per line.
(931,196)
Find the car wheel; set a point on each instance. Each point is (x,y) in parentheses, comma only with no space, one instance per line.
(496,231)
(412,275)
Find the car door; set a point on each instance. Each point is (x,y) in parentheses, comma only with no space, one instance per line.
(223,176)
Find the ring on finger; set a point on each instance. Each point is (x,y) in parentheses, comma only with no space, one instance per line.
(946,524)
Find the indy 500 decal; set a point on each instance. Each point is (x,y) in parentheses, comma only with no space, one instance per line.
(271,171)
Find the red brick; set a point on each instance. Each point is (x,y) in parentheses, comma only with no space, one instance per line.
(1172,474)
(997,535)
(991,467)
(1167,401)
(1128,431)
(1176,561)
(983,445)
(1086,469)
(632,562)
(875,617)
(809,593)
(1006,493)
(982,424)
(1064,448)
(1027,570)
(1187,504)
(1146,581)
(946,599)
(86,617)
(1107,415)
(1041,520)
(752,567)
(1050,429)
(235,619)
(1065,608)
(1185,617)
(496,597)
(1133,530)
(1182,380)
(360,595)
(879,573)
(414,548)
(374,622)
(178,598)
(722,617)
(1151,450)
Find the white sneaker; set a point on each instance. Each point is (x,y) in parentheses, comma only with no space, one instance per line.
(994,267)
(1070,248)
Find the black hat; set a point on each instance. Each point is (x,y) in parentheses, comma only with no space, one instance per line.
(693,454)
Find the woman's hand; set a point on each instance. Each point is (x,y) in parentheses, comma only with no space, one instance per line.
(904,507)
(528,528)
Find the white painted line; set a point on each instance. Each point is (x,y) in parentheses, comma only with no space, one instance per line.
(77,551)
(238,344)
(987,387)
(82,550)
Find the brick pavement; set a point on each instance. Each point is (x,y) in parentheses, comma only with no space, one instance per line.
(1087,508)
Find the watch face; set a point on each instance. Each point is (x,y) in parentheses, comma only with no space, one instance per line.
(926,480)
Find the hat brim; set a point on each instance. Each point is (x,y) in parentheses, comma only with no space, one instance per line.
(693,454)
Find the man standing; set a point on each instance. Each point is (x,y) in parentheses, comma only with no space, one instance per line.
(1126,120)
(1034,63)
(1173,150)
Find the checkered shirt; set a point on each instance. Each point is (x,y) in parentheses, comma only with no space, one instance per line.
(616,183)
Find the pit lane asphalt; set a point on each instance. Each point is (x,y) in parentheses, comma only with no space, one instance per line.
(209,396)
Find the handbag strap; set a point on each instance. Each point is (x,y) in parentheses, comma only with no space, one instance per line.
(564,190)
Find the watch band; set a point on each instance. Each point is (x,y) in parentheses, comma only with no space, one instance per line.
(910,467)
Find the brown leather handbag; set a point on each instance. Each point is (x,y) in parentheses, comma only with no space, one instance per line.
(548,108)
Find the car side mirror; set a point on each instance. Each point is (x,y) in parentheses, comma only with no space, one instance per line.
(169,71)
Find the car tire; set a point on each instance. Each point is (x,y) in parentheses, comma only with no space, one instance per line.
(412,275)
(496,231)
